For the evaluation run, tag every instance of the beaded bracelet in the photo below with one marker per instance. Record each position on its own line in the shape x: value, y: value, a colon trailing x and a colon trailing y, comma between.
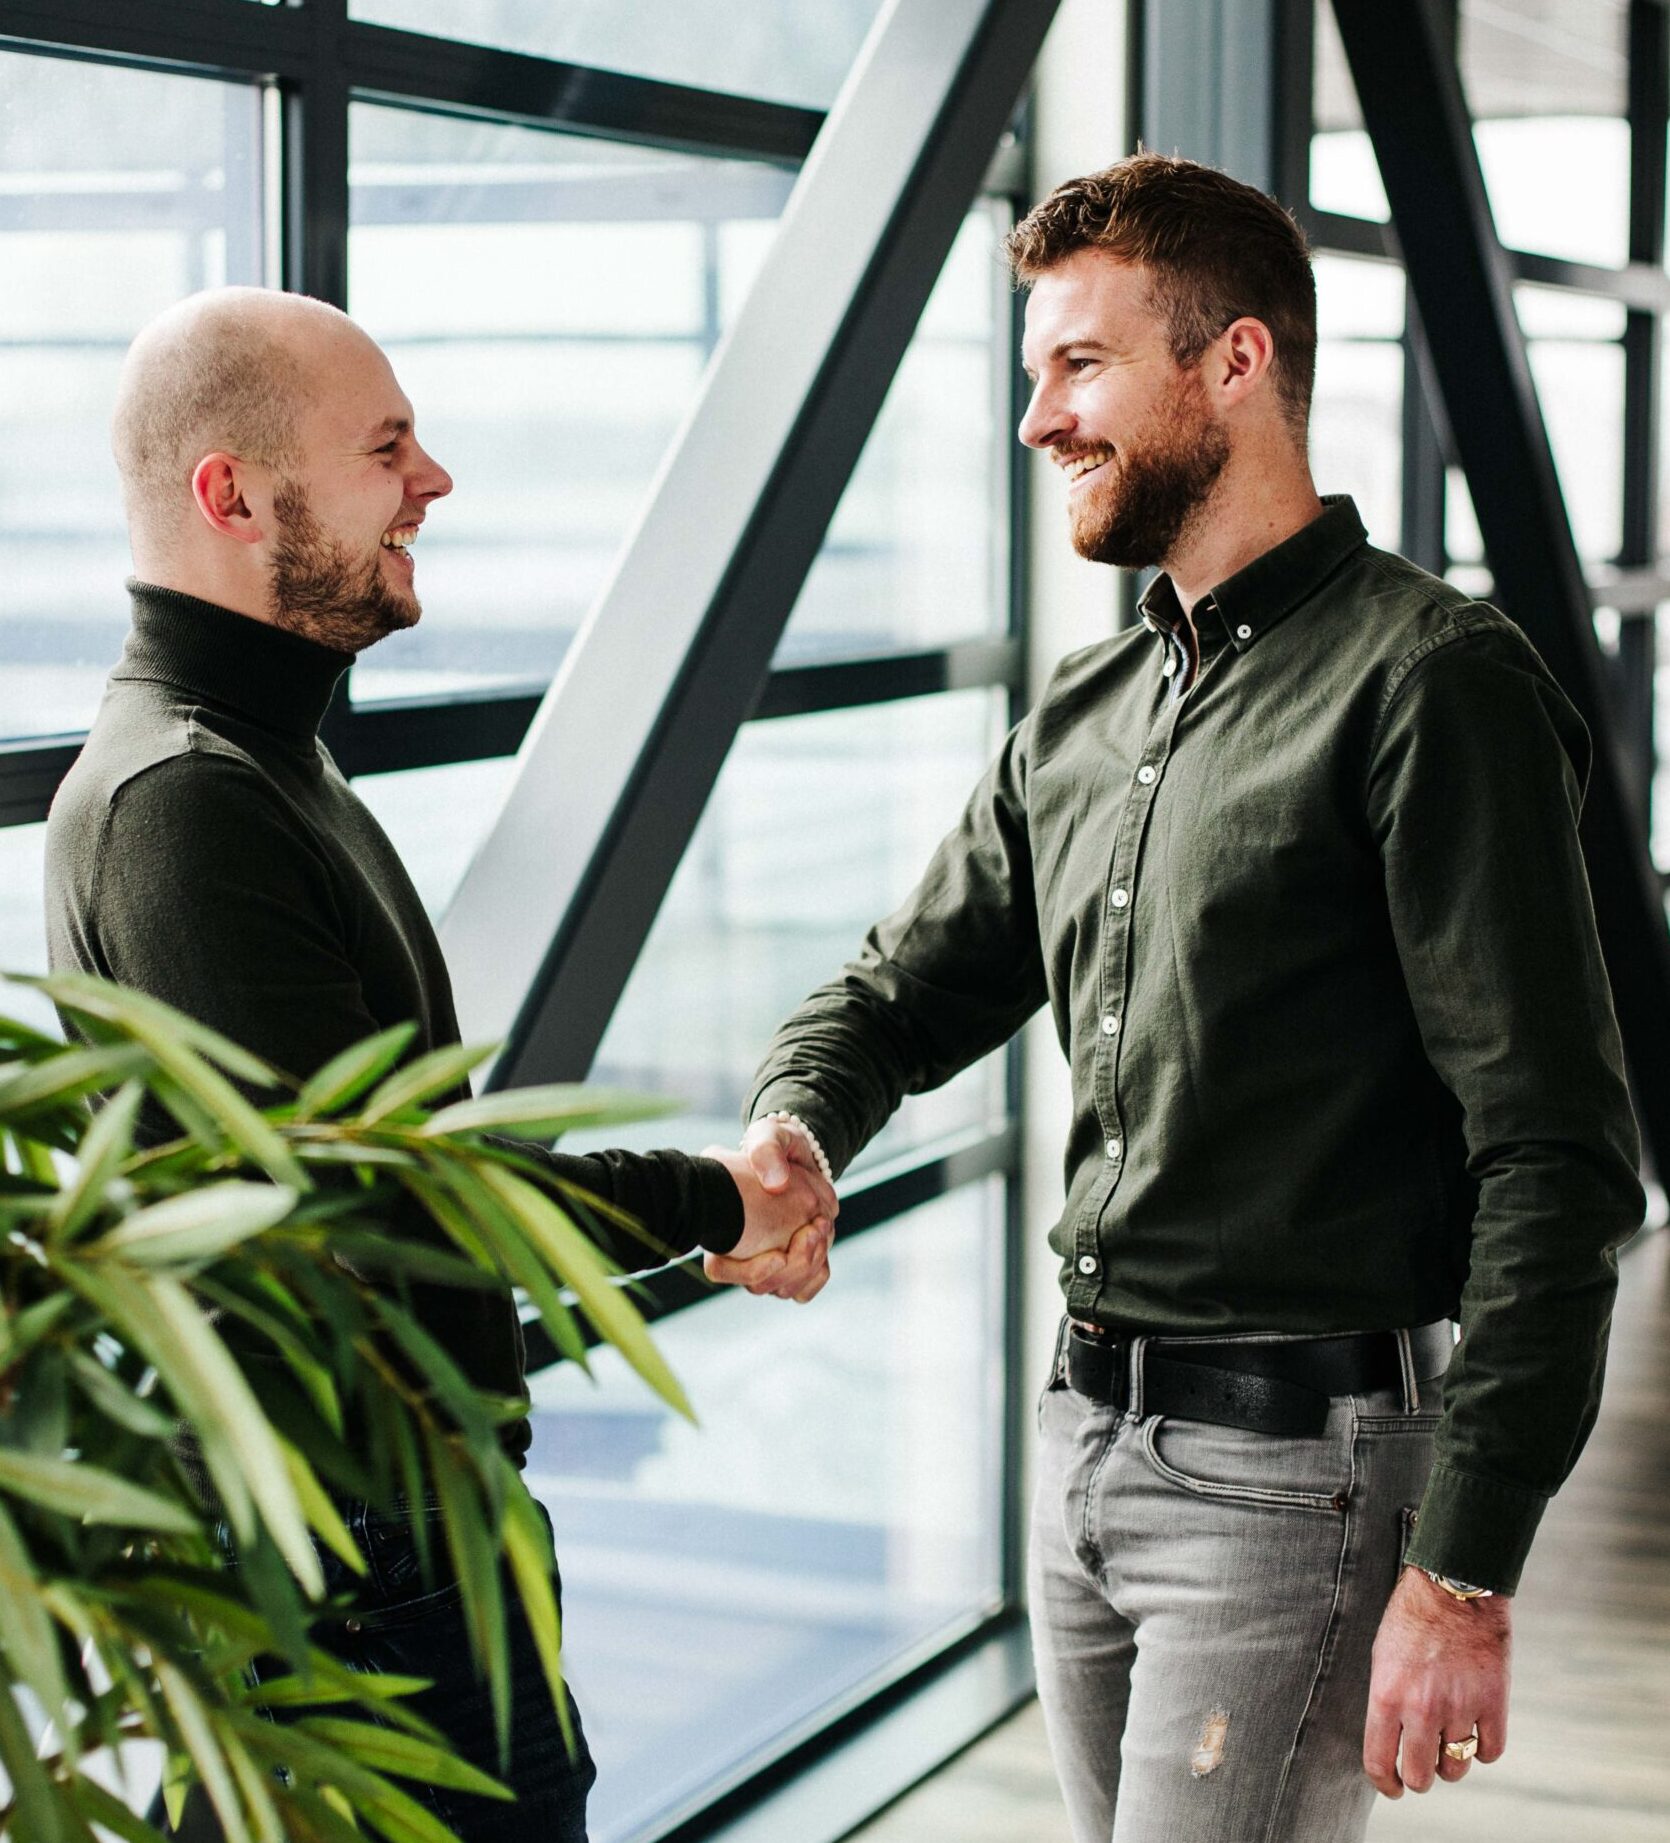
x: 794, y: 1119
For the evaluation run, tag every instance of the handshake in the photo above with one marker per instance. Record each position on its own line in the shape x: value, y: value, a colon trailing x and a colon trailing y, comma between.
x: 789, y: 1212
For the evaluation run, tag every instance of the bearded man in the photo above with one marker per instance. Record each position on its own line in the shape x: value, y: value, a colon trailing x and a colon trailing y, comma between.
x: 1295, y: 866
x: 205, y: 849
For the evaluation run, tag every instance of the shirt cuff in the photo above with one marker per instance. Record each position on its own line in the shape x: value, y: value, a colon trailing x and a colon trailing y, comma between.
x: 721, y: 1212
x: 807, y: 1105
x: 1475, y: 1529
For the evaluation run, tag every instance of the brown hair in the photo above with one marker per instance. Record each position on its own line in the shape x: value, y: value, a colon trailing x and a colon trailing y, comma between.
x: 1215, y: 249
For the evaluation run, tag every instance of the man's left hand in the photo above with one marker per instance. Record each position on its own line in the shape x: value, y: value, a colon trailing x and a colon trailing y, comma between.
x: 1440, y: 1672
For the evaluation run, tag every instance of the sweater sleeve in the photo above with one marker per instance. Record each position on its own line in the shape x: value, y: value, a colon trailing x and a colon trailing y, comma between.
x: 204, y: 890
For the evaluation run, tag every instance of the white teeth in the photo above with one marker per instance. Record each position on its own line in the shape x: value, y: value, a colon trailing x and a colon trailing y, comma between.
x: 397, y: 540
x: 1082, y: 464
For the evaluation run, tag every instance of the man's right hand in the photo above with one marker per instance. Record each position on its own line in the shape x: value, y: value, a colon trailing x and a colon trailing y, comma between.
x: 789, y: 1211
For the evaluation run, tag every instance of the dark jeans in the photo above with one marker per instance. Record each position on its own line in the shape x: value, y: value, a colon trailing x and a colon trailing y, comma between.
x: 404, y: 1627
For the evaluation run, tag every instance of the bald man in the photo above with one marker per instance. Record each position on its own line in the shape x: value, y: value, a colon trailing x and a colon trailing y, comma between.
x: 205, y: 849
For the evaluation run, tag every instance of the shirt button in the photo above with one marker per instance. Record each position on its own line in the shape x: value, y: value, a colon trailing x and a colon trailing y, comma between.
x: 1114, y: 1148
x: 1145, y: 774
x: 1169, y: 667
x: 1120, y: 898
x: 1087, y: 1263
x: 1243, y: 632
x: 1109, y: 1025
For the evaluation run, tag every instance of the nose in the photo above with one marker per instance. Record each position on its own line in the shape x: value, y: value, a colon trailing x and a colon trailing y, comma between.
x: 1047, y: 418
x: 426, y: 479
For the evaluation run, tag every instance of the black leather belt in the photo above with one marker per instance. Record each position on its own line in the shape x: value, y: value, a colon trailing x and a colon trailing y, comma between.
x: 1280, y: 1388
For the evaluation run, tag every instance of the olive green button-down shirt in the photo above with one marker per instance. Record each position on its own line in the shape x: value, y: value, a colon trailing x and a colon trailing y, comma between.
x: 1313, y: 924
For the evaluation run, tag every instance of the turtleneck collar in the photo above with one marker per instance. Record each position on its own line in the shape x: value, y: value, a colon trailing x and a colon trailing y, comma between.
x: 275, y: 678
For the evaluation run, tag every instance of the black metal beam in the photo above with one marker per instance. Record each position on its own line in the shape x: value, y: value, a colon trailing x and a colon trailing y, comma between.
x: 1417, y: 118
x: 212, y: 37
x: 315, y: 190
x: 474, y: 80
x: 29, y: 775
x: 608, y: 908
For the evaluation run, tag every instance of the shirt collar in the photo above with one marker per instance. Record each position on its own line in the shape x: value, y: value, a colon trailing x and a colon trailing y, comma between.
x: 1255, y: 598
x: 265, y: 673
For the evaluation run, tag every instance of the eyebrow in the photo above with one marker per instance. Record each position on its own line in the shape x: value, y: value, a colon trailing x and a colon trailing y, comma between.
x: 1063, y: 347
x: 391, y: 425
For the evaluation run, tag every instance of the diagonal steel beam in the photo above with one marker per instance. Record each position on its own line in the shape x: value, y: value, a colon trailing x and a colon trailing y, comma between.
x: 1416, y: 115
x: 553, y: 911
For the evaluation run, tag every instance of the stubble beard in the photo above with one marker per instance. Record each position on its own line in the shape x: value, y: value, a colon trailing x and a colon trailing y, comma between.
x: 1162, y: 480
x: 319, y: 590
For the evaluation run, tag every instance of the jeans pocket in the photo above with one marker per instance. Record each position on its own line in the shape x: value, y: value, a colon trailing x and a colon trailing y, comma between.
x: 1232, y: 1465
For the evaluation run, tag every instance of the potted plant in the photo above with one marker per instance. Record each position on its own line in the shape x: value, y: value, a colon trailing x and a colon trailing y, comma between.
x: 140, y: 1276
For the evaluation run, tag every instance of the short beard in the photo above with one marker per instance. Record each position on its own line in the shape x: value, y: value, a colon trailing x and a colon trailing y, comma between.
x: 319, y: 591
x: 1161, y: 481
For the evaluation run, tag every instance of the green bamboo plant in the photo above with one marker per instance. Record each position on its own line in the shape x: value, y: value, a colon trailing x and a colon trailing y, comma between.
x: 237, y: 1277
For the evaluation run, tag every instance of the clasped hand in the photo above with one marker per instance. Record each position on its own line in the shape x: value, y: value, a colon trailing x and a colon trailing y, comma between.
x: 789, y: 1211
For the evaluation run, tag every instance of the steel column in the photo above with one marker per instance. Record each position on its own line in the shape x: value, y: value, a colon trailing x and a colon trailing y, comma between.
x: 1412, y: 103
x: 552, y: 914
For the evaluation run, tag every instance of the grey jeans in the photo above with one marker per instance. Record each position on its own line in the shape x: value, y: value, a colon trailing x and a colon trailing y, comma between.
x: 1204, y: 1603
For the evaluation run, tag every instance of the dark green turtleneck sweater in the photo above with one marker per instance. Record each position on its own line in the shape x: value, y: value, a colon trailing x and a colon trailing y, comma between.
x: 205, y: 849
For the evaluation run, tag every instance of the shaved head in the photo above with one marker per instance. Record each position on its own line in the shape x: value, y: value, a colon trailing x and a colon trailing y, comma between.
x: 231, y: 370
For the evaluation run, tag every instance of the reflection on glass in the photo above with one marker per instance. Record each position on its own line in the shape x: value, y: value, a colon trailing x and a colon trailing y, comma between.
x: 1356, y: 437
x: 1547, y: 88
x: 1581, y: 389
x: 836, y: 1510
x: 819, y: 826
x: 549, y: 304
x: 120, y: 191
x: 23, y: 921
x: 795, y: 54
x: 917, y: 551
x: 436, y: 818
x: 1546, y: 85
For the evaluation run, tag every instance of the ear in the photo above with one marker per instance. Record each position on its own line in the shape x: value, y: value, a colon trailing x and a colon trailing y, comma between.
x: 1240, y: 360
x: 217, y: 490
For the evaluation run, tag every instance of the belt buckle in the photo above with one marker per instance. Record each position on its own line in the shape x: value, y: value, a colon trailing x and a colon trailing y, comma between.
x: 1097, y: 1367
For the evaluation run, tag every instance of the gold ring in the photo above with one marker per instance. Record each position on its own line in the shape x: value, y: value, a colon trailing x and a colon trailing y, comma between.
x: 1462, y: 1750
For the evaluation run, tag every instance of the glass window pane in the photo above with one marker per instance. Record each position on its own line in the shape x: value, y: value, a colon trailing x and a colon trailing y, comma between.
x: 1356, y: 437
x: 917, y: 552
x: 1580, y: 384
x: 436, y: 818
x: 723, y: 1584
x: 795, y: 54
x: 23, y: 921
x: 549, y: 304
x: 819, y: 826
x: 1344, y: 175
x: 1546, y: 83
x: 120, y: 191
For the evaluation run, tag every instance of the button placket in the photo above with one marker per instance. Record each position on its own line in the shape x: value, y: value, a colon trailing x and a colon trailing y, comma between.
x: 1117, y: 922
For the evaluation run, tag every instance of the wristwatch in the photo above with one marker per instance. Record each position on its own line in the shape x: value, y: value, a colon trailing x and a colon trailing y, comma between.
x: 1459, y: 1590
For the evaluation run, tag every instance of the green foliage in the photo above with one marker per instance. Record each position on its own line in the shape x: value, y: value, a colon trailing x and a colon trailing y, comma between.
x: 148, y: 1282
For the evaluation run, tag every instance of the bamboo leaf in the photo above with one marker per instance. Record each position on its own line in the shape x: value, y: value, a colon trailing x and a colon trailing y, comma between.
x: 566, y: 1250
x: 528, y: 1547
x: 320, y: 1512
x: 346, y: 1076
x: 197, y: 1225
x: 105, y: 1809
x: 143, y: 1018
x: 430, y: 1074
x: 543, y: 1113
x: 67, y: 1077
x: 116, y: 1401
x: 108, y: 1142
x: 38, y: 1814
x: 30, y: 1639
x: 404, y: 1755
x: 474, y: 1555
x: 198, y: 1735
x: 398, y: 1815
x: 86, y: 1492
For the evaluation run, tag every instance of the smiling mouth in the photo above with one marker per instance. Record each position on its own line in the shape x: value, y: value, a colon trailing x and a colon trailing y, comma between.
x: 400, y: 539
x: 1078, y: 466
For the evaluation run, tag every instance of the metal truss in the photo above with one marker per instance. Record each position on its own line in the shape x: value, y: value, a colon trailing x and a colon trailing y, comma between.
x: 550, y: 918
x: 1462, y: 283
